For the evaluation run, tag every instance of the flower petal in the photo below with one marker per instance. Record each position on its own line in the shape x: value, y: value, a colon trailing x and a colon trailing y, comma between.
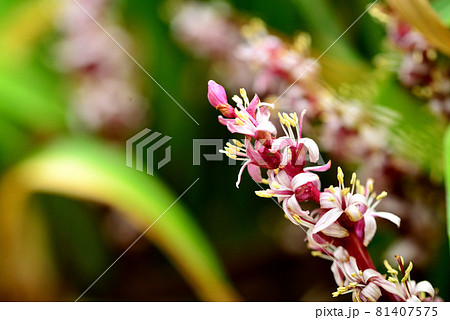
x: 370, y: 228
x: 303, y: 178
x: 313, y: 149
x: 327, y: 219
x: 336, y: 230
x: 255, y: 172
x: 388, y: 216
x: 323, y: 168
x: 424, y: 286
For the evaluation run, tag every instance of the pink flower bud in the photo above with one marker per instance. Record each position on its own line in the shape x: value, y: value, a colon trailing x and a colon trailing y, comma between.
x: 218, y: 99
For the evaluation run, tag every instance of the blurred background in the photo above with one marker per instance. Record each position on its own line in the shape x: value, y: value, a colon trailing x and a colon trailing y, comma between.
x: 378, y: 103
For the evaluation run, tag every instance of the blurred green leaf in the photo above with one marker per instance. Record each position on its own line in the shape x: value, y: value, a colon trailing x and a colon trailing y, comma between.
x: 315, y: 13
x: 28, y: 98
x: 442, y: 7
x: 447, y: 176
x: 90, y: 170
x: 416, y: 134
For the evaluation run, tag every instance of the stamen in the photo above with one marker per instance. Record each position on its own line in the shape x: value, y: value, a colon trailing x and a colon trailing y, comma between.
x: 393, y: 280
x: 239, y: 122
x: 345, y: 191
x: 340, y: 176
x: 276, y: 185
x: 297, y: 218
x: 370, y: 185
x: 353, y: 180
x: 389, y: 268
x: 244, y: 95
x: 316, y: 253
x: 237, y: 100
x: 407, y: 272
x: 263, y: 194
x: 238, y: 143
x: 242, y: 115
x: 265, y: 181
x: 382, y: 195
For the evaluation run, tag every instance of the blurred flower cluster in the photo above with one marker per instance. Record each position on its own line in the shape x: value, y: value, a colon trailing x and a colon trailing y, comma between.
x: 344, y: 223
x: 422, y: 68
x: 106, y: 99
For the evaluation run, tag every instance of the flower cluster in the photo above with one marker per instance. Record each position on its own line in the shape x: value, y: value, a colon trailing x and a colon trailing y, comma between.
x: 342, y: 225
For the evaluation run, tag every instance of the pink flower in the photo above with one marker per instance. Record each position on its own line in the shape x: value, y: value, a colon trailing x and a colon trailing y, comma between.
x: 290, y: 191
x: 250, y: 118
x: 408, y: 289
x: 358, y: 203
x: 364, y: 285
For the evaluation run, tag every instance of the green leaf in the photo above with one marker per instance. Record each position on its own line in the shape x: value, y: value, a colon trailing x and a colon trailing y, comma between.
x: 90, y: 170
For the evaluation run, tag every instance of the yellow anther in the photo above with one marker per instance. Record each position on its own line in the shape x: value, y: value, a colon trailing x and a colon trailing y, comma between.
x: 393, y: 280
x: 360, y: 273
x: 353, y: 178
x: 243, y: 93
x: 422, y: 295
x: 263, y: 194
x: 276, y: 185
x: 370, y: 185
x: 238, y: 143
x: 316, y: 253
x: 239, y: 122
x: 287, y: 120
x: 242, y: 115
x: 345, y: 191
x: 353, y: 275
x: 389, y: 268
x: 362, y: 190
x: 335, y: 294
x: 342, y: 289
x: 353, y: 284
x: 231, y: 156
x: 282, y: 120
x: 295, y: 118
x: 297, y: 218
x: 331, y: 199
x: 382, y: 195
x: 340, y: 175
x: 265, y: 181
